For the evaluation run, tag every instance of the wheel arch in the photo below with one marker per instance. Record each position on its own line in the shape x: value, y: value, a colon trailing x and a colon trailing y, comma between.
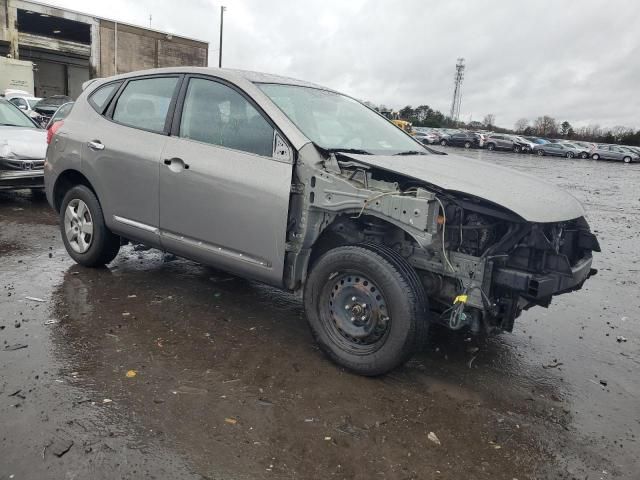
x: 65, y: 182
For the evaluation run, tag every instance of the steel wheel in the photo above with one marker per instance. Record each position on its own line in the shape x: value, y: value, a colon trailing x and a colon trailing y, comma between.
x: 78, y: 225
x: 358, y: 313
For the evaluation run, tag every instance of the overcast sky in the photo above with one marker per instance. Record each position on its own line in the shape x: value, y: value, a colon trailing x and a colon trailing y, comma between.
x: 576, y: 60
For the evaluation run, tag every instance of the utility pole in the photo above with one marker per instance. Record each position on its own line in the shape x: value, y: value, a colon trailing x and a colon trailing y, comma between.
x: 454, y: 113
x: 150, y: 20
x: 222, y: 9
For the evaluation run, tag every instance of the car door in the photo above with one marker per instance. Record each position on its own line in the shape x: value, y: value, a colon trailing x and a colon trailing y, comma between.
x: 123, y: 149
x: 615, y: 153
x: 224, y: 196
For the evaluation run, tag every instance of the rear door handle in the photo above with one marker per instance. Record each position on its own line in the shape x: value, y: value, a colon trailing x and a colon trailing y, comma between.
x: 95, y: 145
x: 179, y: 161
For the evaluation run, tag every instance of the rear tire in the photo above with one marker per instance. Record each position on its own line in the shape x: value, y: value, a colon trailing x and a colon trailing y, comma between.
x: 366, y: 308
x: 541, y: 153
x: 569, y: 154
x: 595, y: 156
x: 467, y: 144
x: 516, y: 149
x: 491, y: 147
x: 443, y: 143
x: 626, y: 159
x: 86, y: 237
x: 584, y: 155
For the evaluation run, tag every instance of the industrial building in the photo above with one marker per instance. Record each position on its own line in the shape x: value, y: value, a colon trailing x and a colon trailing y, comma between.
x: 68, y: 47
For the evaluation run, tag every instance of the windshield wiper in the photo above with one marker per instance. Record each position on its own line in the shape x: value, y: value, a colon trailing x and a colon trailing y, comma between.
x: 357, y: 151
x: 10, y: 125
x: 411, y: 152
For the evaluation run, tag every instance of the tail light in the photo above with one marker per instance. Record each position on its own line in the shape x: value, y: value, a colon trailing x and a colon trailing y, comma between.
x: 53, y: 129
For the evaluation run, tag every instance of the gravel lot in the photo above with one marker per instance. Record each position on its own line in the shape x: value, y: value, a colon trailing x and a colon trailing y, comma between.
x: 161, y: 368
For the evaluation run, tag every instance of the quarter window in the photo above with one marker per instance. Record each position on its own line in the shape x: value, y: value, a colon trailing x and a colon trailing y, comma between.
x: 144, y: 103
x: 216, y: 114
x: 100, y: 96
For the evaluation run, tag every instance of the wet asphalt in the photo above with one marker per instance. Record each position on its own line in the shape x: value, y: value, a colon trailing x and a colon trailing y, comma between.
x: 161, y: 368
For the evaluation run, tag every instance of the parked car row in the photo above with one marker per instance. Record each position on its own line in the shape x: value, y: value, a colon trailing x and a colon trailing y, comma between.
x: 23, y: 144
x: 533, y: 145
x: 39, y: 109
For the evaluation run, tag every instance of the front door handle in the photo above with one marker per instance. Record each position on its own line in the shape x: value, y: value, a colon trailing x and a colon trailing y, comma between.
x: 95, y: 145
x: 178, y: 161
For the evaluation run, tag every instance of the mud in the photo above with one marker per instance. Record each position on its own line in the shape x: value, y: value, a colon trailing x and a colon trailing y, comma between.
x: 228, y: 383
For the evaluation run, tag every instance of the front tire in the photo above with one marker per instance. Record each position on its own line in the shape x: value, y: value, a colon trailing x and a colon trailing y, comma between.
x: 443, y: 143
x: 86, y: 237
x: 584, y: 155
x: 626, y: 159
x: 541, y: 153
x: 467, y: 144
x: 366, y: 308
x: 569, y: 154
x: 595, y: 156
x: 516, y: 149
x: 491, y: 147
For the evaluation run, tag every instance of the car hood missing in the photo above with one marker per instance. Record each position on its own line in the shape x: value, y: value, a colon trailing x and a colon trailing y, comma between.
x: 18, y: 143
x: 529, y: 197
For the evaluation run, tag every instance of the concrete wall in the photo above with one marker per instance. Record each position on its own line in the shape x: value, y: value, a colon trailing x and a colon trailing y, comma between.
x: 140, y: 48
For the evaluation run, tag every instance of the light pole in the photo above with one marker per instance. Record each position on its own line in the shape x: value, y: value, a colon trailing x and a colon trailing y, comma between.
x: 222, y: 9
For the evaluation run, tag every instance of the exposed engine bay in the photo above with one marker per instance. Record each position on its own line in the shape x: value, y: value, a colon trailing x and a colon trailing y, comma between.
x: 480, y: 264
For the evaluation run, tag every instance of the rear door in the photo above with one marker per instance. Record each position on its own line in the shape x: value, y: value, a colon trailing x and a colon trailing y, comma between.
x: 123, y: 149
x: 224, y: 198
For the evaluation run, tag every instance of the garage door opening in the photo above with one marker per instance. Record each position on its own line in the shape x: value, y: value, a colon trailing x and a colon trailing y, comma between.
x: 54, y: 27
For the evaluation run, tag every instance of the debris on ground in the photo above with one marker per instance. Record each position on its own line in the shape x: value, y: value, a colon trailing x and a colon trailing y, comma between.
x: 434, y: 438
x: 231, y: 421
x: 620, y: 339
x: 603, y: 383
x: 554, y: 364
x: 131, y: 373
x: 51, y: 322
x: 35, y: 299
x: 107, y: 400
x: 60, y: 446
x: 15, y: 346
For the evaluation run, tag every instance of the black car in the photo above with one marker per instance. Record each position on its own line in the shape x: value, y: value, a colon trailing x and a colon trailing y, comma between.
x: 462, y: 139
x: 48, y: 106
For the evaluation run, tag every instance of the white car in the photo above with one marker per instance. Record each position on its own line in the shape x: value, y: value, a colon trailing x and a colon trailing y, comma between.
x: 24, y: 101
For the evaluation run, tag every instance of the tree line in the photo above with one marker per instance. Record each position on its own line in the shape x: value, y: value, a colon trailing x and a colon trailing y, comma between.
x: 543, y: 126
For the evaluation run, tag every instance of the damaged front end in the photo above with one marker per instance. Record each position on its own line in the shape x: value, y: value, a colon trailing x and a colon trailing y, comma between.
x: 481, y: 263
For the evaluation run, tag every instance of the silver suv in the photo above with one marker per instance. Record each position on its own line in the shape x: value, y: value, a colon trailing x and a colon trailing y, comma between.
x: 307, y: 189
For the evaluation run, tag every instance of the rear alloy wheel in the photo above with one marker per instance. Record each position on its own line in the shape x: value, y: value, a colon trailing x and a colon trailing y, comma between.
x: 541, y: 153
x: 491, y: 147
x: 84, y: 233
x: 467, y: 144
x: 516, y: 149
x: 595, y: 156
x: 570, y: 155
x: 626, y: 159
x: 366, y: 308
x: 584, y: 155
x: 443, y: 143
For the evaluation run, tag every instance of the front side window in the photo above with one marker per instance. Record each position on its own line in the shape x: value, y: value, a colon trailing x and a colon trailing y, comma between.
x: 336, y: 122
x: 217, y: 114
x: 144, y: 103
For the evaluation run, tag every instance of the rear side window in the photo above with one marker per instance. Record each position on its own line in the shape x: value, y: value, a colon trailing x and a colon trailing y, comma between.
x: 99, y: 98
x: 216, y: 114
x: 144, y: 103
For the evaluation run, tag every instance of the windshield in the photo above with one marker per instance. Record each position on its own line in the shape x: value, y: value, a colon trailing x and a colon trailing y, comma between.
x: 32, y: 102
x: 11, y: 116
x: 336, y: 122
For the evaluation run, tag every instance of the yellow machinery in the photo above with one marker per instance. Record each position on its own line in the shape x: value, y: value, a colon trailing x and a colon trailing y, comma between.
x: 404, y: 125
